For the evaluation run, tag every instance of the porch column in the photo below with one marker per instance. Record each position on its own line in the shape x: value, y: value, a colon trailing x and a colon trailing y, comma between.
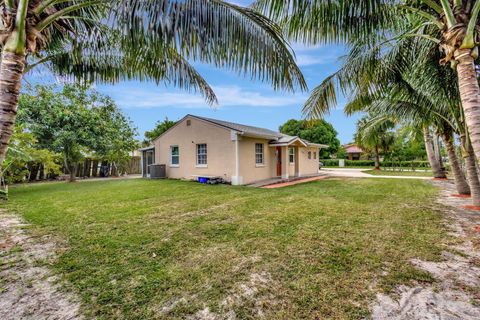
x: 237, y: 179
x: 297, y: 162
x: 285, y: 163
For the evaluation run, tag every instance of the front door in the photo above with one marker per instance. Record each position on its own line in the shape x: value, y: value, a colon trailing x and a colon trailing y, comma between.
x: 279, y: 161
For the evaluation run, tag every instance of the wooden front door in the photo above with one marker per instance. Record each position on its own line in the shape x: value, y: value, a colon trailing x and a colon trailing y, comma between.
x: 279, y: 161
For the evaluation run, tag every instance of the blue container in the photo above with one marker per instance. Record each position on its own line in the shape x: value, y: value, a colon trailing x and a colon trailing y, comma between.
x: 202, y: 180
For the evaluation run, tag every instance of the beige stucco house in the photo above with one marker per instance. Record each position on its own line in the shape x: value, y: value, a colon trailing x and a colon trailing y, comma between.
x: 203, y: 147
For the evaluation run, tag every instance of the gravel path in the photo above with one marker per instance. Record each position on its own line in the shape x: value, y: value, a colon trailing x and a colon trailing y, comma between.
x: 456, y: 294
x: 28, y: 290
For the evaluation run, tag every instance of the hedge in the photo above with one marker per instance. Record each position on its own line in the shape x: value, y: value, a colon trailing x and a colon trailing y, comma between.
x: 371, y: 163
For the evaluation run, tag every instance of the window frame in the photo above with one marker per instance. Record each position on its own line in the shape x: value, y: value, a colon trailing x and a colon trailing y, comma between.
x: 197, y: 155
x: 174, y: 165
x: 261, y: 154
x: 291, y: 155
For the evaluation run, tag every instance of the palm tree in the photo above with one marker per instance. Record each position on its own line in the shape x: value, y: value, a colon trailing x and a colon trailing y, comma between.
x: 108, y: 41
x: 374, y: 134
x: 449, y: 25
x: 414, y: 97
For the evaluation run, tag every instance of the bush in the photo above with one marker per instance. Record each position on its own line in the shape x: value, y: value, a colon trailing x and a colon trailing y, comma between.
x: 371, y: 163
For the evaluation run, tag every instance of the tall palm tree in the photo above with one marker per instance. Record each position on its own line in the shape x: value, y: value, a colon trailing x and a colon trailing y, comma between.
x: 374, y: 133
x: 450, y: 25
x: 107, y: 41
x: 415, y: 98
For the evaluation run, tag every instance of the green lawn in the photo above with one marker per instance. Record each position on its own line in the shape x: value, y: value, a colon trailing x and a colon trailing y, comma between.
x: 400, y: 173
x: 137, y: 249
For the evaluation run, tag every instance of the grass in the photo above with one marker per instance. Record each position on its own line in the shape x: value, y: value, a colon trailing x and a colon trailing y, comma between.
x: 137, y: 249
x: 400, y: 173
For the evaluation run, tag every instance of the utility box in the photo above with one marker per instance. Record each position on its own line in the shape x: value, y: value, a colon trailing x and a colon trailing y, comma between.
x: 341, y: 163
x: 158, y: 171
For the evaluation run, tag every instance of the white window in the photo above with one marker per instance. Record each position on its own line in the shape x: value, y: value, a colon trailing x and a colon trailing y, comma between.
x: 258, y: 153
x: 202, y: 154
x: 174, y: 155
x: 291, y: 153
x: 309, y: 154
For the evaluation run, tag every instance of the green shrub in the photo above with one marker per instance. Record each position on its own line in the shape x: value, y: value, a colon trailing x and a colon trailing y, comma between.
x: 371, y: 163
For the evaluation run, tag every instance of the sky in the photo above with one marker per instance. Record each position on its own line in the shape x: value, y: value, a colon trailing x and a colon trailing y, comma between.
x: 240, y: 99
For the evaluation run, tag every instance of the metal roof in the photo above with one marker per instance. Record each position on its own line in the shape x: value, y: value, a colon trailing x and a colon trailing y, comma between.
x: 244, y: 129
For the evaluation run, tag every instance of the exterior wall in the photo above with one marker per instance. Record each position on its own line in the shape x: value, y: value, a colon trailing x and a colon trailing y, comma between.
x: 220, y: 150
x: 308, y: 166
x: 221, y: 154
x: 249, y: 170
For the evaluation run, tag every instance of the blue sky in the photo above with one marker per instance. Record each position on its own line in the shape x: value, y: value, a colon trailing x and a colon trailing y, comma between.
x: 240, y: 99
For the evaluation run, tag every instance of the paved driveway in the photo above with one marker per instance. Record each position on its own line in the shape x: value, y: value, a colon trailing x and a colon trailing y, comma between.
x: 358, y: 173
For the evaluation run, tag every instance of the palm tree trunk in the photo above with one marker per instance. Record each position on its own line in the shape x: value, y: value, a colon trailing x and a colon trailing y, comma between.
x: 434, y: 164
x: 472, y: 175
x: 377, y: 159
x: 436, y: 146
x: 11, y: 73
x: 460, y: 182
x: 471, y: 168
x: 470, y: 95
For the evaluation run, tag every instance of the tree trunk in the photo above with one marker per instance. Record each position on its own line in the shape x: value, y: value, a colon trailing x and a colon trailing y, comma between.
x: 377, y: 159
x: 470, y: 95
x: 73, y: 172
x: 471, y: 168
x: 438, y: 150
x: 434, y: 164
x: 460, y: 182
x: 11, y: 73
x: 472, y: 175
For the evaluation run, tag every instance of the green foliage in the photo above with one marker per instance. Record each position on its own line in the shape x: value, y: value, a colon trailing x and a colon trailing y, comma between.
x: 406, y: 147
x: 75, y: 122
x: 341, y: 153
x: 316, y: 131
x: 88, y: 41
x: 23, y: 153
x: 414, y: 164
x: 160, y: 128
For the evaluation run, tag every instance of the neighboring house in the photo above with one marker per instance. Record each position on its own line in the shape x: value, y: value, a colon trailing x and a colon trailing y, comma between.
x: 353, y: 151
x: 240, y: 154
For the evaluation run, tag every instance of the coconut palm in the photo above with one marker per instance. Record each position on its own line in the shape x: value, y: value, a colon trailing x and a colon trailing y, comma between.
x: 424, y: 103
x: 450, y: 25
x: 108, y: 41
x: 374, y: 134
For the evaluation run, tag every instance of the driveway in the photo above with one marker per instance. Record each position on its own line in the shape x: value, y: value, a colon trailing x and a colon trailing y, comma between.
x: 359, y: 173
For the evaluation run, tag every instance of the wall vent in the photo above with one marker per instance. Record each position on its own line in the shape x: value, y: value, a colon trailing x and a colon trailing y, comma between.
x: 189, y: 122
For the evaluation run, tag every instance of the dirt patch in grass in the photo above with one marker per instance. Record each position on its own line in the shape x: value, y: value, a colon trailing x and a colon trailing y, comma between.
x: 27, y: 289
x: 147, y: 249
x: 456, y: 292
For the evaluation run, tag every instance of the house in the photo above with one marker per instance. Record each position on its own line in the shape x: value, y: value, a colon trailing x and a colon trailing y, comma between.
x: 240, y: 154
x: 353, y: 151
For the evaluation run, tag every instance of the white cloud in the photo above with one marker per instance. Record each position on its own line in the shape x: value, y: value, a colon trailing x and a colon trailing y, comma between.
x: 228, y: 96
x: 308, y: 60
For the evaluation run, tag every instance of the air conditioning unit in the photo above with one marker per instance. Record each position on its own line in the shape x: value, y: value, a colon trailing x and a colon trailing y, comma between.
x: 158, y: 171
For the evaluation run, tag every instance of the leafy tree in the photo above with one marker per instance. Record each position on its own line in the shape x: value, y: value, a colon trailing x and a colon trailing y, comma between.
x: 316, y: 131
x: 160, y: 128
x: 75, y: 122
x: 24, y: 153
x: 109, y: 41
x: 407, y: 145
